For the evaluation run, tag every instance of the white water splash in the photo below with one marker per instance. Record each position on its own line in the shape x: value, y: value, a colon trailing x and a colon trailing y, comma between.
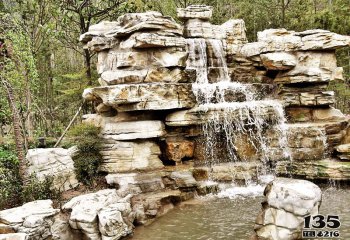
x: 252, y: 189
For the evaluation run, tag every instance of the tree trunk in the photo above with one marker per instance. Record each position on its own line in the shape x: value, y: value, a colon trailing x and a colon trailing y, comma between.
x: 88, y: 65
x: 283, y: 13
x: 16, y: 129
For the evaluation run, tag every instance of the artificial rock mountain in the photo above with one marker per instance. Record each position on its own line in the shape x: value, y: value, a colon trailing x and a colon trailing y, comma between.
x: 200, y: 97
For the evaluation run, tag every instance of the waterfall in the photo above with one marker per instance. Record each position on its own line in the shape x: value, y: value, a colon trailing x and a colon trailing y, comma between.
x: 197, y: 59
x: 234, y: 115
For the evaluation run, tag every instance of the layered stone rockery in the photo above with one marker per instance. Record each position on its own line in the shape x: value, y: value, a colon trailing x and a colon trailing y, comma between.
x: 142, y: 62
x: 147, y: 105
x: 302, y: 64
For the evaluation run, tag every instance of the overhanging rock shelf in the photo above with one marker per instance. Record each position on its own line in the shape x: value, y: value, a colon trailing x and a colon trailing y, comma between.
x: 171, y: 93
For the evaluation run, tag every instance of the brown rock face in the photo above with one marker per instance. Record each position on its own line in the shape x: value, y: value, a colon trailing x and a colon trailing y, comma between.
x: 177, y: 150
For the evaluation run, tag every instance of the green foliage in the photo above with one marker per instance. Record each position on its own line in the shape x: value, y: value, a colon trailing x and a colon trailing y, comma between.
x: 36, y: 189
x: 86, y: 162
x: 12, y: 192
x: 342, y: 94
x: 9, y: 179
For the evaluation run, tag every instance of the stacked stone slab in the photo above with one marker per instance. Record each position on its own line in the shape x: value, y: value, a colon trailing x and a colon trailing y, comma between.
x: 302, y: 64
x: 141, y: 62
x: 146, y: 108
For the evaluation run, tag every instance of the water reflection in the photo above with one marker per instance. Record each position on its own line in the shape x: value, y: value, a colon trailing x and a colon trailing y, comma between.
x: 225, y: 218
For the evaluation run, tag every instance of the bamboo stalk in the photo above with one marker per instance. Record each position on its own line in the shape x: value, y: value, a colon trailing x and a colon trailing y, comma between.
x: 70, y: 124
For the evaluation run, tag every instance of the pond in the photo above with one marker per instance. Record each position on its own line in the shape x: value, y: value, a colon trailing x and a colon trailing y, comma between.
x: 231, y: 215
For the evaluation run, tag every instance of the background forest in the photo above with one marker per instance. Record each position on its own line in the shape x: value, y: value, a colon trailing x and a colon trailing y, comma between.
x: 44, y: 69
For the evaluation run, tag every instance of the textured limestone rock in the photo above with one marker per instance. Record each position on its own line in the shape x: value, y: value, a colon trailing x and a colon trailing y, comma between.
x: 312, y: 66
x: 101, y: 213
x: 324, y: 169
x: 343, y: 151
x: 172, y: 57
x: 33, y: 219
x: 324, y: 98
x: 278, y: 60
x: 287, y: 202
x: 6, y: 229
x: 132, y: 130
x: 99, y: 44
x: 208, y: 187
x: 235, y: 35
x: 183, y: 179
x: 271, y: 40
x: 122, y: 59
x: 196, y: 28
x: 134, y: 22
x: 98, y: 30
x: 148, y: 206
x: 195, y: 11
x: 227, y: 172
x: 115, y: 129
x: 143, y: 96
x: 53, y: 162
x: 14, y: 236
x: 304, y: 141
x: 116, y: 220
x: 130, y: 23
x: 300, y: 114
x: 175, y: 75
x: 60, y: 229
x: 153, y: 40
x: 201, y: 114
x: 177, y: 149
x: 161, y: 74
x: 136, y: 183
x: 123, y: 76
x: 123, y: 156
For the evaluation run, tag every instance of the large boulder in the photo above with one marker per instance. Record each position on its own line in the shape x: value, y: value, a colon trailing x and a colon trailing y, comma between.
x: 314, y: 67
x: 53, y: 162
x: 33, y: 219
x: 287, y: 202
x: 101, y: 215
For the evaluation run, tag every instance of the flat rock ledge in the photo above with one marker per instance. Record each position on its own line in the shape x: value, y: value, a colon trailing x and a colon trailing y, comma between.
x: 287, y: 202
x: 154, y: 96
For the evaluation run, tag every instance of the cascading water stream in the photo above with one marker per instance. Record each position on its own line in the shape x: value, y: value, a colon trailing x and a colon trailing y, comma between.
x: 233, y: 114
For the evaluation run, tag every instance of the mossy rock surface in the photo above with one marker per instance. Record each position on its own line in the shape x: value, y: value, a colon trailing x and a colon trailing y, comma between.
x: 325, y: 169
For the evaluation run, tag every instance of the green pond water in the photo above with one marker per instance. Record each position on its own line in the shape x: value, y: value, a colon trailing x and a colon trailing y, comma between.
x: 231, y: 216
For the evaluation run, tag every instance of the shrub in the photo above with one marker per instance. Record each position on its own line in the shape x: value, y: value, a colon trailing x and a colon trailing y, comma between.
x: 36, y: 189
x: 87, y: 161
x: 10, y: 183
x: 12, y: 192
